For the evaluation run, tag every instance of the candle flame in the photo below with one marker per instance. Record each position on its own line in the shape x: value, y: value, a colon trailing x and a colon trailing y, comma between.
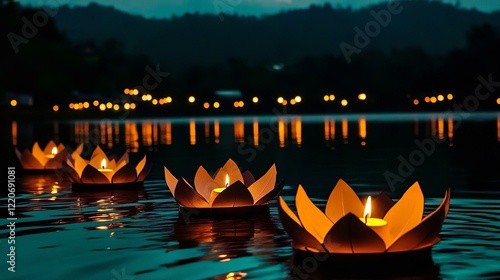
x: 54, y: 150
x: 227, y: 180
x: 103, y: 163
x: 368, y: 209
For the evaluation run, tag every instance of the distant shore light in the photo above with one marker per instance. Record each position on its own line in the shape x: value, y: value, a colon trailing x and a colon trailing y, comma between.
x: 280, y: 100
x: 298, y: 99
x: 255, y: 99
x: 427, y: 99
x: 206, y: 105
x: 433, y: 99
x: 440, y: 97
x: 449, y: 96
x: 216, y: 105
x: 362, y: 96
x: 344, y: 102
x: 102, y: 107
x: 13, y: 103
x: 55, y: 108
x: 96, y: 103
x: 155, y: 101
x: 332, y: 97
x: 292, y: 102
x: 326, y: 98
x: 169, y: 99
x: 86, y: 105
x: 415, y: 101
x: 191, y: 99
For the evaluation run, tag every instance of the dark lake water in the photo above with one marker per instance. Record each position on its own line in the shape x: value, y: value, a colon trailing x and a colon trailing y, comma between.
x: 61, y: 234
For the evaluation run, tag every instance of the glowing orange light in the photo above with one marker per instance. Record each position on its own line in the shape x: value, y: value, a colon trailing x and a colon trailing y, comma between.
x: 332, y: 97
x: 102, y: 107
x: 216, y: 105
x: 433, y: 99
x: 344, y: 102
x: 206, y: 105
x: 427, y: 99
x: 415, y: 101
x: 449, y: 96
x: 55, y: 108
x: 96, y: 103
x: 362, y: 96
x: 241, y: 104
x: 13, y: 103
x: 440, y: 97
x: 326, y: 98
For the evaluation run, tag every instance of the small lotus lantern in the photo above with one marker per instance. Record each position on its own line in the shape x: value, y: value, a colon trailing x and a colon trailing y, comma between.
x: 102, y: 172
x: 228, y: 191
x: 347, y: 227
x: 50, y: 158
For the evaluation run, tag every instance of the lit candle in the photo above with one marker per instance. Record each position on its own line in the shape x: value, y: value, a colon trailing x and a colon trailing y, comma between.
x: 52, y: 154
x: 103, y: 168
x: 376, y: 224
x: 215, y: 192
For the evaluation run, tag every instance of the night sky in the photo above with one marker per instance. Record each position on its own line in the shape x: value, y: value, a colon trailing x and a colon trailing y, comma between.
x: 167, y: 8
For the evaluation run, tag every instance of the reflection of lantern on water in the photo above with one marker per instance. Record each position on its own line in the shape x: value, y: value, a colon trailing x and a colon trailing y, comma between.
x: 440, y: 126
x: 111, y: 205
x: 217, y: 131
x: 166, y: 133
x: 226, y: 239
x: 282, y: 131
x: 450, y: 130
x: 362, y: 130
x: 345, y: 130
x: 498, y: 128
x: 297, y: 130
x: 192, y: 132
x: 207, y: 131
x: 329, y: 127
x: 239, y: 131
x: 255, y: 132
x: 14, y: 133
x: 131, y: 136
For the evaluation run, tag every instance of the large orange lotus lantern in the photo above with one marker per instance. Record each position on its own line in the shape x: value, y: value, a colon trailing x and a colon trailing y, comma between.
x: 349, y: 227
x: 101, y: 172
x: 50, y: 158
x: 227, y: 191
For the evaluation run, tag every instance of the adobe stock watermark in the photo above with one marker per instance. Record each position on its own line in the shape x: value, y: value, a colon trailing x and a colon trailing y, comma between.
x: 372, y: 29
x: 266, y: 136
x: 225, y: 7
x: 427, y: 147
x: 31, y: 26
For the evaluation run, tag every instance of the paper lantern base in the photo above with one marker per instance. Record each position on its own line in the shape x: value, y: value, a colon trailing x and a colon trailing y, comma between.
x: 226, y: 212
x: 85, y: 187
x: 415, y: 262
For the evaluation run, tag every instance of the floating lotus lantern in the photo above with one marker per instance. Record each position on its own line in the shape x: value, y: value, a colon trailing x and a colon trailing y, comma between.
x: 50, y: 158
x: 378, y: 228
x: 101, y: 172
x: 228, y: 191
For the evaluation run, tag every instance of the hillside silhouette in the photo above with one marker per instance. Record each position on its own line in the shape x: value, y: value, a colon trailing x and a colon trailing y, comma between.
x: 200, y: 39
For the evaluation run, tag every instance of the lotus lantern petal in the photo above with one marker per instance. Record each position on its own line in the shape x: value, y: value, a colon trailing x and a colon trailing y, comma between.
x: 50, y: 158
x: 339, y: 228
x: 101, y: 169
x: 242, y: 189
